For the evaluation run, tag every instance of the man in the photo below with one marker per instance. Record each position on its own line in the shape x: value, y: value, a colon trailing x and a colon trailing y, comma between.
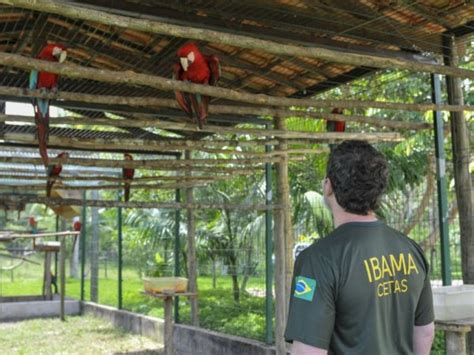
x: 363, y: 289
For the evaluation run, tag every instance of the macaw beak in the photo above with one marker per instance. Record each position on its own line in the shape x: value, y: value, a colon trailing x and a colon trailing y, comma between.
x: 184, y: 63
x: 62, y: 56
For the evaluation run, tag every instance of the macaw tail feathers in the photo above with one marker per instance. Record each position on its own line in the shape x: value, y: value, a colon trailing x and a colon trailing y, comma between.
x: 127, y: 192
x: 200, y: 106
x: 42, y: 129
x: 49, y: 187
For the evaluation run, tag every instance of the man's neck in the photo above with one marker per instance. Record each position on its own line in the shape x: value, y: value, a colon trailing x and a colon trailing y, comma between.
x: 341, y: 217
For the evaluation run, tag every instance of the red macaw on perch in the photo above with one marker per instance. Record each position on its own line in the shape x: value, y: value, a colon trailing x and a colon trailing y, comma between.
x: 47, y: 82
x: 76, y: 224
x: 336, y: 126
x: 196, y: 68
x: 53, y: 173
x: 128, y: 174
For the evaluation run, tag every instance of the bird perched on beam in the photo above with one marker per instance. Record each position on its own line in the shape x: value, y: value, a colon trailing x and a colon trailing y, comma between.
x: 53, y: 173
x: 336, y: 126
x: 128, y: 174
x: 196, y: 68
x: 46, y: 82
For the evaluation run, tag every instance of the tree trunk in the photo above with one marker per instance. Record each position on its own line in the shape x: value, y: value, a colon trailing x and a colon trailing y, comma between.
x: 214, y: 275
x: 248, y: 269
x: 95, y: 251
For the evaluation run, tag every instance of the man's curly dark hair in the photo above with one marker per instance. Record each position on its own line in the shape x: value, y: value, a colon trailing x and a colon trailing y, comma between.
x: 359, y: 176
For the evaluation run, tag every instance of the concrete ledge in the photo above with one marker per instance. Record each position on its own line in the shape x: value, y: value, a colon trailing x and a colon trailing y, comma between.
x: 28, y: 307
x: 187, y: 339
x: 199, y: 341
x: 129, y: 321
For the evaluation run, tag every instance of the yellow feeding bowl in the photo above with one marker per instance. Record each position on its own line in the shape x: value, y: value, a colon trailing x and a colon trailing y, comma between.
x: 161, y: 284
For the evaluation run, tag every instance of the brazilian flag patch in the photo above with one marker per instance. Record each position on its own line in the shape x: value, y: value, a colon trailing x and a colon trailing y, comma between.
x: 304, y: 288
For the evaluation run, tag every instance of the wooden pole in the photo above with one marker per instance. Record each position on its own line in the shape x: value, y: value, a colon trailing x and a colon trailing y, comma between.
x: 177, y: 178
x: 461, y: 161
x: 283, y: 242
x: 153, y: 26
x: 62, y: 266
x: 137, y: 144
x: 164, y: 165
x: 192, y: 262
x: 133, y: 78
x: 188, y: 127
x: 41, y: 187
x: 140, y: 101
x: 130, y: 204
x: 152, y: 145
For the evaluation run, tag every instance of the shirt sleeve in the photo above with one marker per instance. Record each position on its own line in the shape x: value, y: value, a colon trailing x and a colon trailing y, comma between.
x: 312, y: 311
x: 424, y: 313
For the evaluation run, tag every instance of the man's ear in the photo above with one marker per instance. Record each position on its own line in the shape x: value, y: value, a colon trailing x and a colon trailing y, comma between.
x: 329, y: 187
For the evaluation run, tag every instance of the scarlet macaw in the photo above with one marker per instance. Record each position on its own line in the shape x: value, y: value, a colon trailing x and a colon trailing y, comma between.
x: 197, y: 68
x: 47, y: 82
x: 53, y: 173
x: 127, y: 174
x: 33, y: 224
x: 336, y: 126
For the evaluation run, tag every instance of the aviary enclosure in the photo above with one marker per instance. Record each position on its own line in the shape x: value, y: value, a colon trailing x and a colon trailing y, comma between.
x: 225, y: 201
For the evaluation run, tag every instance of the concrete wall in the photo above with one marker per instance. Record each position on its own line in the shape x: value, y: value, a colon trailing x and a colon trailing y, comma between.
x: 27, y: 307
x: 131, y: 322
x: 187, y: 339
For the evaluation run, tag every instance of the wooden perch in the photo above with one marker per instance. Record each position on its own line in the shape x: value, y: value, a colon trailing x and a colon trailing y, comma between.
x: 210, y: 165
x: 140, y: 101
x: 177, y: 178
x: 132, y: 78
x: 153, y: 26
x: 132, y: 204
x: 256, y: 132
x: 38, y: 187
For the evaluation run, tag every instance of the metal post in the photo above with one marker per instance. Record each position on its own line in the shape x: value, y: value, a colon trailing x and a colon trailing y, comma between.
x: 62, y: 251
x: 120, y: 255
x: 441, y: 182
x: 177, y: 249
x: 268, y: 253
x: 83, y: 243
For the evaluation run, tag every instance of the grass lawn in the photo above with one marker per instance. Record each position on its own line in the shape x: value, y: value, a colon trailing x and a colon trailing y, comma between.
x: 78, y: 335
x: 217, y: 309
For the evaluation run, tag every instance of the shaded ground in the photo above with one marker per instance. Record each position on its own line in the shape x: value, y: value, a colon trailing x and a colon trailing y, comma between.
x: 78, y: 335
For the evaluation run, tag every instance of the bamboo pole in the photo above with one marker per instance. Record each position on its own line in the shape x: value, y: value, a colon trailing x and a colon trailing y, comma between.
x: 41, y: 187
x: 205, y: 146
x: 39, y: 235
x: 140, y: 101
x: 189, y: 127
x: 137, y: 144
x: 153, y: 26
x: 54, y: 201
x: 192, y: 261
x: 170, y: 165
x: 132, y: 78
x: 116, y: 179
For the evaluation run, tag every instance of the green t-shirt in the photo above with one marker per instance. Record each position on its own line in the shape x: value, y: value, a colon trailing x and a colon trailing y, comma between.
x: 360, y: 290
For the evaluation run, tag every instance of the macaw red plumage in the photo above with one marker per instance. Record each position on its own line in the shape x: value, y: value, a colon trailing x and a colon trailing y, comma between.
x: 33, y: 224
x: 336, y: 126
x: 197, y: 68
x: 128, y: 174
x: 53, y: 173
x: 47, y: 82
x: 76, y: 224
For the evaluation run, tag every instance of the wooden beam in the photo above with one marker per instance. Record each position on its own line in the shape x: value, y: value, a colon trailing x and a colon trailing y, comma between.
x: 131, y: 204
x: 354, y: 59
x: 136, y: 180
x: 210, y: 165
x: 42, y: 187
x: 134, y: 144
x: 240, y: 110
x: 191, y: 127
x: 132, y: 78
